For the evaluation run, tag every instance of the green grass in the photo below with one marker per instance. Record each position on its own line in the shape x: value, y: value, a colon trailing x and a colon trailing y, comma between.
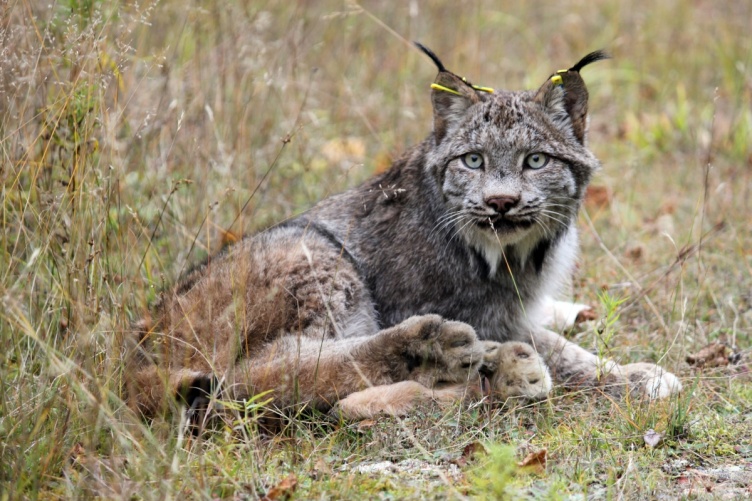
x: 137, y: 138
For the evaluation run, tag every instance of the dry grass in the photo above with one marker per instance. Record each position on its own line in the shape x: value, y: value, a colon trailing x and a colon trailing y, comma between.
x: 137, y: 138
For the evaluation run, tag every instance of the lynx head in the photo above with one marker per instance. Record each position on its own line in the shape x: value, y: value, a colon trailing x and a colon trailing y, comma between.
x: 512, y: 166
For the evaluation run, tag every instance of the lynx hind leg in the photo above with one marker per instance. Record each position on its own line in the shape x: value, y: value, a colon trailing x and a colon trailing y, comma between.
x: 396, y: 399
x: 516, y: 370
x: 650, y: 381
x: 151, y: 392
x: 434, y: 350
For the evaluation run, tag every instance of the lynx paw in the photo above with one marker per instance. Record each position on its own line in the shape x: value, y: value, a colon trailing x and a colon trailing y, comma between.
x: 515, y: 370
x: 650, y: 381
x: 438, y: 351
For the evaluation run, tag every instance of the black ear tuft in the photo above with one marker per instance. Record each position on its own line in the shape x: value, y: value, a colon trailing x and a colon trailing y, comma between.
x: 430, y: 54
x: 451, y: 96
x: 598, y: 55
x: 564, y: 96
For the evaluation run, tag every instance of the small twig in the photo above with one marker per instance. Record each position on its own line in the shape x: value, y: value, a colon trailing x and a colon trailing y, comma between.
x: 706, y: 176
x: 285, y: 141
x: 626, y: 272
x: 685, y: 253
x: 159, y: 220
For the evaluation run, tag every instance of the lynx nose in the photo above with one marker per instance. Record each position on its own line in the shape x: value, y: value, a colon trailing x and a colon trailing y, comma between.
x: 502, y: 205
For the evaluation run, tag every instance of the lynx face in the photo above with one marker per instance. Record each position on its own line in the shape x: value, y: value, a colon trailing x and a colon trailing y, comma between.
x: 512, y: 166
x: 509, y: 176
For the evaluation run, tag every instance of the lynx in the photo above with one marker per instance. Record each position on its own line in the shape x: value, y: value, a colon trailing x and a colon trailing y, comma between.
x: 430, y: 282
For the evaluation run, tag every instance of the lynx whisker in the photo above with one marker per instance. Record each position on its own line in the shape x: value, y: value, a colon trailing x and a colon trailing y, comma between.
x: 547, y: 231
x: 448, y: 220
x: 555, y: 216
x: 459, y: 230
x: 449, y: 223
x: 569, y: 208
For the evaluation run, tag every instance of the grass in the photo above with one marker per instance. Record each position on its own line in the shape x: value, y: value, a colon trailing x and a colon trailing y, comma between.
x: 137, y: 138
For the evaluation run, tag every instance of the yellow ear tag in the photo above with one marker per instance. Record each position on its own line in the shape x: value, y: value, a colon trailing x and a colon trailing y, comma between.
x: 483, y: 89
x: 445, y: 89
x: 557, y: 80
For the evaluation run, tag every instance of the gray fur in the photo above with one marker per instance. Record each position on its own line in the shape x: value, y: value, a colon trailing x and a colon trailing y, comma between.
x: 323, y: 306
x: 417, y: 257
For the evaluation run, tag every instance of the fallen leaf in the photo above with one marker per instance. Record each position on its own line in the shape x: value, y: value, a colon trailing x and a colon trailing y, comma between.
x: 283, y: 490
x: 598, y: 197
x: 229, y: 237
x: 77, y: 455
x: 586, y: 315
x: 635, y: 252
x: 535, y: 460
x: 712, y: 355
x: 470, y: 452
x: 382, y: 162
x: 473, y: 450
x: 664, y: 224
x: 668, y: 207
x: 321, y: 468
x: 652, y: 438
x: 340, y: 150
x: 366, y: 424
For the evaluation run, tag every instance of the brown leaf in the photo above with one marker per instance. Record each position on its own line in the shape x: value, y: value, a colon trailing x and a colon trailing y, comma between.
x: 635, y: 252
x: 340, y: 150
x: 321, y: 468
x: 229, y: 237
x: 652, y: 438
x: 683, y: 480
x: 470, y: 452
x: 382, y: 162
x: 668, y: 207
x: 283, y: 490
x: 598, y: 197
x: 535, y: 460
x: 366, y: 424
x: 585, y: 316
x: 712, y: 355
x: 77, y: 455
x: 473, y: 450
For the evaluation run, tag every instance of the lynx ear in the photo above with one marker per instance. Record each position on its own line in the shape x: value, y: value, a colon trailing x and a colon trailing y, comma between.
x: 451, y: 96
x: 565, y: 97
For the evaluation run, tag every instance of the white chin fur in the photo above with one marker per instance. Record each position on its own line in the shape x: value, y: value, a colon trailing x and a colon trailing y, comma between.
x: 491, y: 244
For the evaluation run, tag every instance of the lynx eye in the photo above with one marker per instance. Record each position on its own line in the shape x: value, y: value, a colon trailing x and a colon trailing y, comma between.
x: 536, y: 160
x: 473, y: 160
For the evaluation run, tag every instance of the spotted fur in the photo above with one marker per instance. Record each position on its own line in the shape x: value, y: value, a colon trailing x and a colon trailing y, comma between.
x: 401, y: 280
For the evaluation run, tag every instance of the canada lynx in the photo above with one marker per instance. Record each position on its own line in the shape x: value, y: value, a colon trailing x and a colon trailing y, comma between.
x: 426, y: 282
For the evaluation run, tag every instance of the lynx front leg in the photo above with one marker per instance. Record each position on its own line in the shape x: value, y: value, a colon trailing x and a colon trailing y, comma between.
x: 576, y: 367
x: 513, y: 369
x: 426, y: 349
x: 301, y: 370
x: 433, y: 360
